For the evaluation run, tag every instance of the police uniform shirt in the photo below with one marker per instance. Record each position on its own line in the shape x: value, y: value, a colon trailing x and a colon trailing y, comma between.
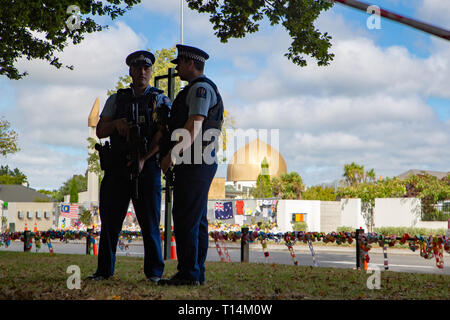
x: 110, y: 107
x: 200, y: 98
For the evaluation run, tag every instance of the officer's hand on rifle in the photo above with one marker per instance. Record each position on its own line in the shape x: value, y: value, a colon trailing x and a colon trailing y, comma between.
x: 121, y: 126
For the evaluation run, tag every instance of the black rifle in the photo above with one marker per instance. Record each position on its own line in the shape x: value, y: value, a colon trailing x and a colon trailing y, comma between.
x: 137, y: 146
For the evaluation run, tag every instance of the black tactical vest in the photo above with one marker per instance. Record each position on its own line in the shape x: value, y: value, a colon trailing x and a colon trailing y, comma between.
x: 145, y: 105
x: 179, y: 113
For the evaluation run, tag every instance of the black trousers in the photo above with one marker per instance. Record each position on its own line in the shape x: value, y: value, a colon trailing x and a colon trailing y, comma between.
x: 115, y: 195
x: 190, y: 207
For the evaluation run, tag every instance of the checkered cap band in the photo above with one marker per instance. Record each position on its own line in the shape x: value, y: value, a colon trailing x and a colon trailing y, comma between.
x: 191, y: 55
x: 142, y: 59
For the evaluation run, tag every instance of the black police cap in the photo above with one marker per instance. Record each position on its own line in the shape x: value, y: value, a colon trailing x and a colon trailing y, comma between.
x: 189, y: 52
x: 141, y: 57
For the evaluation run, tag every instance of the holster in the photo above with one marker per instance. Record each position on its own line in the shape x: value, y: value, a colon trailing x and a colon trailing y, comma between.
x: 106, y: 156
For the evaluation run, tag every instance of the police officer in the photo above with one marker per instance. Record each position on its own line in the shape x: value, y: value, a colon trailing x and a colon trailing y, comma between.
x: 196, y: 109
x: 116, y: 188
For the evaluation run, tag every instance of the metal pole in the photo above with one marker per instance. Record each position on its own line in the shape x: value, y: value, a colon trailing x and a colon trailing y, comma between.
x: 168, y: 222
x: 26, y: 240
x: 88, y: 241
x: 245, y: 246
x: 358, y: 249
x: 171, y: 83
x: 182, y: 21
x: 437, y: 31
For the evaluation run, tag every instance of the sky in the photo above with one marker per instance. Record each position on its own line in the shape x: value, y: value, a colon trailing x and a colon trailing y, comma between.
x: 383, y: 102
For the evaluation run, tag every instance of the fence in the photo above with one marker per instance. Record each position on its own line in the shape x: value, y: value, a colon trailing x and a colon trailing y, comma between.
x: 428, y: 246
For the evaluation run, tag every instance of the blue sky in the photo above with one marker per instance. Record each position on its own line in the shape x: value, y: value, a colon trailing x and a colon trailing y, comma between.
x: 383, y: 102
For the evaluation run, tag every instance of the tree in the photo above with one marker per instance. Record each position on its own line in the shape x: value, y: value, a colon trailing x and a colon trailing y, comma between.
x: 263, y: 187
x: 86, y: 217
x: 38, y: 29
x: 8, y: 137
x: 234, y: 19
x: 430, y: 190
x: 289, y: 186
x: 323, y: 193
x: 8, y: 176
x: 355, y: 174
x: 73, y: 192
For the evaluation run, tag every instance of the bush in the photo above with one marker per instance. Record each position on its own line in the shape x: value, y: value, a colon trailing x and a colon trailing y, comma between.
x: 300, y: 226
x: 399, y: 231
x: 345, y: 229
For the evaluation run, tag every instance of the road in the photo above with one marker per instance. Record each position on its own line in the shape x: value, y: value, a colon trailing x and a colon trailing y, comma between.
x: 335, y: 257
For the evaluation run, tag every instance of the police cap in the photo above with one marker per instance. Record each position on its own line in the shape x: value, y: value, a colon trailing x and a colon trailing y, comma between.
x: 189, y: 52
x: 141, y: 57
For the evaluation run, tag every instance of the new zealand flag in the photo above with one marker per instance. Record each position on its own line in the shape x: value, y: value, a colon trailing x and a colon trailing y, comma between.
x: 223, y: 211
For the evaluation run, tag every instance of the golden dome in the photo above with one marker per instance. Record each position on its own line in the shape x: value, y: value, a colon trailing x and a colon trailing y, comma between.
x: 245, y: 165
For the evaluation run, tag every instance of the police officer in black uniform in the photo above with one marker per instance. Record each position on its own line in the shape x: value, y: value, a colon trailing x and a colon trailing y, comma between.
x: 140, y: 104
x: 197, y: 110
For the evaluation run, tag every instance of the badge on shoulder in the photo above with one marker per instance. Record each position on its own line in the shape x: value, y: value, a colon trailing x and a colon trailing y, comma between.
x: 201, y: 93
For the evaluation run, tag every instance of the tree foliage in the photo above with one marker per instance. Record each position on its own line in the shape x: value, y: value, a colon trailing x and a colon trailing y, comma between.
x: 39, y: 29
x: 8, y: 176
x: 73, y: 192
x: 263, y: 187
x: 289, y: 186
x: 8, y: 137
x: 355, y: 175
x: 323, y: 193
x: 86, y: 217
x: 235, y: 19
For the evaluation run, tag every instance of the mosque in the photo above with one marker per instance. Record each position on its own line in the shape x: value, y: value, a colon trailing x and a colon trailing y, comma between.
x: 243, y: 169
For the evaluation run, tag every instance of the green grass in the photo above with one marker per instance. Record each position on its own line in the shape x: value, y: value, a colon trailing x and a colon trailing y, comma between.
x: 29, y: 275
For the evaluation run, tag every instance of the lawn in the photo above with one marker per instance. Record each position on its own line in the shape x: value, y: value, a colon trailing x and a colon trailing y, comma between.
x: 30, y: 276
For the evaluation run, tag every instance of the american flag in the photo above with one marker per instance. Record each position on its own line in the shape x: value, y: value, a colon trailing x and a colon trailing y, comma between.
x: 69, y: 210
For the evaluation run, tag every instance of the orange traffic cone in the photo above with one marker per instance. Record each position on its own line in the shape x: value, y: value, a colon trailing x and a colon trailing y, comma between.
x: 35, y: 227
x: 26, y: 228
x: 365, y: 265
x: 173, y: 248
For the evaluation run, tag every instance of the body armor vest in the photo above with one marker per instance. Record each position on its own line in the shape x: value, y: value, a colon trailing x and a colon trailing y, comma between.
x: 137, y: 110
x: 179, y: 113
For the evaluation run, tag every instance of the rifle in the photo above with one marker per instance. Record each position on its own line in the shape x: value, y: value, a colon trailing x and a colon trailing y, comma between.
x: 137, y: 146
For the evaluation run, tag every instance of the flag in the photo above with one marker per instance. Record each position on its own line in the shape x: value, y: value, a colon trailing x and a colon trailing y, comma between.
x: 223, y: 211
x: 69, y: 210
